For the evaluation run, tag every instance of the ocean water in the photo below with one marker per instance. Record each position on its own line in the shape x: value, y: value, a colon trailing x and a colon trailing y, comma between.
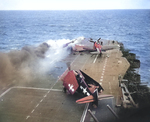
x: 131, y: 27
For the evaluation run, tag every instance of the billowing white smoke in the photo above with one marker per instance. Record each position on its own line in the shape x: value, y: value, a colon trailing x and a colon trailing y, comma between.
x: 31, y: 62
x: 59, y: 50
x: 55, y: 53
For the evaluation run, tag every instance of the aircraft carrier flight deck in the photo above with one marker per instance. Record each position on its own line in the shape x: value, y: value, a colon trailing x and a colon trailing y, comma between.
x: 44, y: 100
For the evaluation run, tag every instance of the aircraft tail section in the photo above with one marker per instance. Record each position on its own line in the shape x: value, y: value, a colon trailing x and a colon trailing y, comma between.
x: 91, y: 98
x: 85, y: 99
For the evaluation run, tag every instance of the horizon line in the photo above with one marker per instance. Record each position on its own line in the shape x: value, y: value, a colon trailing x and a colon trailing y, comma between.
x: 69, y: 9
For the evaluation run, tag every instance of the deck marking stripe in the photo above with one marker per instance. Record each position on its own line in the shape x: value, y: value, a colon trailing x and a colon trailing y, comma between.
x: 41, y: 100
x: 103, y: 71
x: 27, y: 117
x: 32, y: 111
x: 30, y: 88
x: 95, y: 58
x: 37, y: 105
x: 54, y: 90
x: 5, y: 92
x: 33, y: 88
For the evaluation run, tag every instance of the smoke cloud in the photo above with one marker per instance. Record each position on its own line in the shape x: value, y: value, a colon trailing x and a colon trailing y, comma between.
x: 58, y: 51
x: 31, y: 62
x: 21, y: 64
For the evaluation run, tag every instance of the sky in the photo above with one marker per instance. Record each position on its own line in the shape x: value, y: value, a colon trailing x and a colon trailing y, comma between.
x: 73, y: 4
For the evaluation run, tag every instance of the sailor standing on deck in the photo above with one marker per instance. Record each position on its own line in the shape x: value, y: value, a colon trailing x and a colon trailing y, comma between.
x: 96, y: 46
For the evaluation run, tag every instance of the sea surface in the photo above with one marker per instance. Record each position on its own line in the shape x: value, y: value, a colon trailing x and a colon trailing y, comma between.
x: 131, y: 27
